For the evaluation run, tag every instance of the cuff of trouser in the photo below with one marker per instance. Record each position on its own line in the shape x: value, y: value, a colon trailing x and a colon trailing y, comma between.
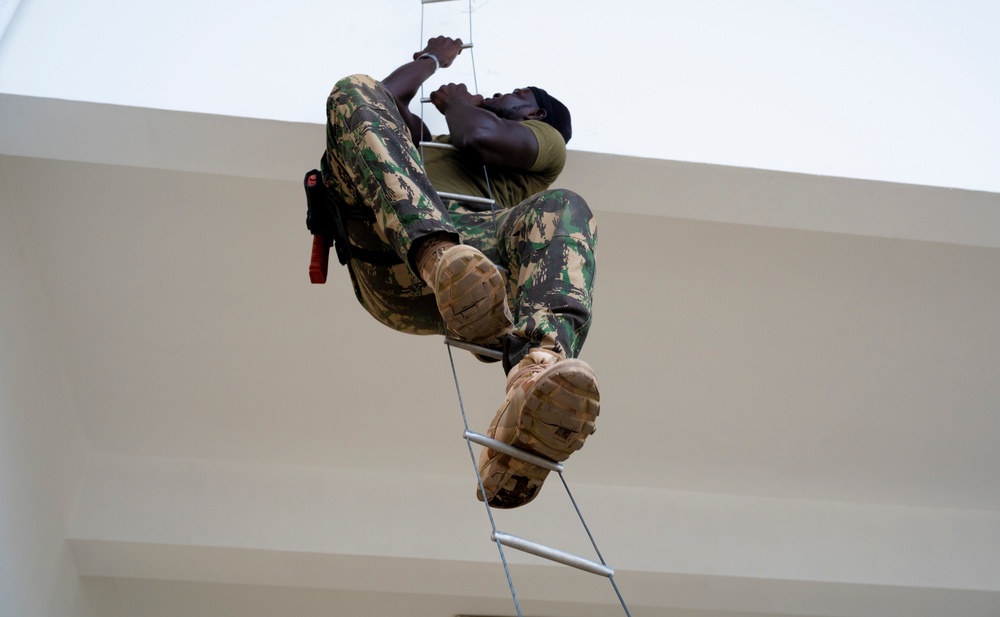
x: 415, y: 233
x: 515, y: 348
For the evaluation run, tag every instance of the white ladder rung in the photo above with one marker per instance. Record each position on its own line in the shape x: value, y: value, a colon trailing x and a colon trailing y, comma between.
x: 462, y: 46
x: 472, y: 199
x: 479, y: 349
x: 517, y: 453
x: 437, y: 144
x: 545, y: 552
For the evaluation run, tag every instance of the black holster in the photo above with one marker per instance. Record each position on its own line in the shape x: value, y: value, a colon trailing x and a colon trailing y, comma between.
x: 326, y: 219
x: 323, y: 216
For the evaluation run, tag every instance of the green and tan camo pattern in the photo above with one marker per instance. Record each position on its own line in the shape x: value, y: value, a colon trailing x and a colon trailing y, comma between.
x: 546, y: 243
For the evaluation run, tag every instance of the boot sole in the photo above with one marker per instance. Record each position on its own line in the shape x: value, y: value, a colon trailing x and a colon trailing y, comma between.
x: 472, y: 297
x: 558, y: 415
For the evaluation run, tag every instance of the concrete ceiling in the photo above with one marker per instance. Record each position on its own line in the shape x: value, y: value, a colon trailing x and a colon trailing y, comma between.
x: 799, y: 384
x: 734, y: 358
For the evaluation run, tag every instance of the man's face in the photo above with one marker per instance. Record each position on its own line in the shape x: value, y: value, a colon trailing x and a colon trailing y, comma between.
x: 514, y: 106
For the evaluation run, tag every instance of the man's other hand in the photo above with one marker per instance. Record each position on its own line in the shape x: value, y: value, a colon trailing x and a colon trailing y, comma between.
x: 443, y: 48
x: 450, y: 94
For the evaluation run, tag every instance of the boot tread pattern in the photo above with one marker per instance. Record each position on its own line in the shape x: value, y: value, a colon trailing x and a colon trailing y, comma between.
x: 559, y: 414
x: 471, y: 296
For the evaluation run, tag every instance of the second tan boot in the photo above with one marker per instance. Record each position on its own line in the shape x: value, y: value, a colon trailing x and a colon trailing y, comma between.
x: 550, y: 409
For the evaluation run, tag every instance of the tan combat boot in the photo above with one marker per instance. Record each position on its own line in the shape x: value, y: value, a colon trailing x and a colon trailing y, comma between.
x: 550, y: 408
x: 470, y: 291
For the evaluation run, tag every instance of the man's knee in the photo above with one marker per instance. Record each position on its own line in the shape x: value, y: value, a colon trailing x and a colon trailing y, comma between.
x: 353, y: 82
x: 567, y: 210
x: 562, y: 201
x: 356, y: 91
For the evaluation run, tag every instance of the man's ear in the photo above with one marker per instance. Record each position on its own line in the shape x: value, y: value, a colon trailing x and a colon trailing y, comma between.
x: 538, y: 114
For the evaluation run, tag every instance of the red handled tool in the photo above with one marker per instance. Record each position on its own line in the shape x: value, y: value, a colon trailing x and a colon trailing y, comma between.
x: 319, y: 264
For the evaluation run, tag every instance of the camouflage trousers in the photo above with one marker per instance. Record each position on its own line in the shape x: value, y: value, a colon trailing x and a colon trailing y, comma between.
x: 546, y: 243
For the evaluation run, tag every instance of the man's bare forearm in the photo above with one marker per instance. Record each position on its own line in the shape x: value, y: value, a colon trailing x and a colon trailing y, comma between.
x: 404, y: 82
x: 495, y: 141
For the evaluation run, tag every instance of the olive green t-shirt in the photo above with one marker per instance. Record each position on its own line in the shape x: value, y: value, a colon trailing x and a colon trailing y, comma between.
x: 452, y: 172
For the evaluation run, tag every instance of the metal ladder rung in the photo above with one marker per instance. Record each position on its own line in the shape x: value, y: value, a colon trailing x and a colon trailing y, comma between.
x: 552, y: 554
x: 437, y: 144
x: 479, y: 349
x: 517, y: 453
x: 472, y: 199
x: 462, y: 46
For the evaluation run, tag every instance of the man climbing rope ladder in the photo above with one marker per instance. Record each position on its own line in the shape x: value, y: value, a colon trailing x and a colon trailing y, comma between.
x: 417, y: 260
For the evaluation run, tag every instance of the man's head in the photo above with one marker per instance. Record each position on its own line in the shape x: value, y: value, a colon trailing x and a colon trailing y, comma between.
x: 532, y: 103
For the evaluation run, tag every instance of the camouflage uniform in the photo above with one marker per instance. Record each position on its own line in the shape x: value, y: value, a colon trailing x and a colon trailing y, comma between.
x: 546, y: 242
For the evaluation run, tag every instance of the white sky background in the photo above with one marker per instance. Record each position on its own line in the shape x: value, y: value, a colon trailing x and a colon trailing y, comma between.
x: 906, y: 91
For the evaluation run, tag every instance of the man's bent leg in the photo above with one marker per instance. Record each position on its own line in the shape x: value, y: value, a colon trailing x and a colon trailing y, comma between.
x: 371, y: 161
x: 552, y: 402
x: 470, y: 291
x: 548, y: 243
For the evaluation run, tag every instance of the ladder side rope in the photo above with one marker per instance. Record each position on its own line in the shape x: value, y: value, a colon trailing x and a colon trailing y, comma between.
x: 472, y: 53
x: 475, y: 87
x: 482, y: 489
x: 611, y: 575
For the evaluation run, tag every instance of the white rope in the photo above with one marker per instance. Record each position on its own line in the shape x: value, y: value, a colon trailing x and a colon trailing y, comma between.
x: 475, y: 88
x: 482, y: 490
